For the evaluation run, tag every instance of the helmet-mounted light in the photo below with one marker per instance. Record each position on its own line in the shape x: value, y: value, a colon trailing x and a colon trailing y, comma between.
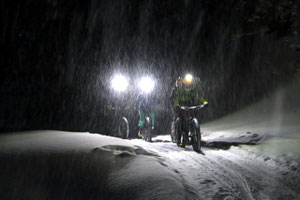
x: 188, y: 79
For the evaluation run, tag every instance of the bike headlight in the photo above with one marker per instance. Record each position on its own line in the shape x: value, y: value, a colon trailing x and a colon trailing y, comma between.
x: 146, y: 84
x: 119, y: 83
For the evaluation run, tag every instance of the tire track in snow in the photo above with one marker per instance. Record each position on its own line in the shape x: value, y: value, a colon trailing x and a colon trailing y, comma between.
x: 181, y: 158
x: 197, y: 170
x: 234, y: 173
x: 225, y: 176
x: 257, y: 172
x: 188, y: 171
x: 222, y: 174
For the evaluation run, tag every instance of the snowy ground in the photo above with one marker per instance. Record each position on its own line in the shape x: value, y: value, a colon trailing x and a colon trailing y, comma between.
x: 275, y: 118
x: 65, y: 165
x: 251, y: 154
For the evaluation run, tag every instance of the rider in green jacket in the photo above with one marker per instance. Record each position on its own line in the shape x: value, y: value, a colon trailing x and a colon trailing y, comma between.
x: 186, y: 93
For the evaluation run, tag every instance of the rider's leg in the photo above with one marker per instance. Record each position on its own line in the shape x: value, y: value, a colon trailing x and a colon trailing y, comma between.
x: 141, y: 122
x: 142, y: 118
x: 178, y: 126
x: 152, y: 118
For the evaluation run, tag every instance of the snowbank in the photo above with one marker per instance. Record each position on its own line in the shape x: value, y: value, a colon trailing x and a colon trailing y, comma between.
x: 275, y: 119
x: 64, y: 165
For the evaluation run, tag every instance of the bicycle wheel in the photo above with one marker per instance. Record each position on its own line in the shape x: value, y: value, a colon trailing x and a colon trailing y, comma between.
x: 123, y: 128
x: 196, y: 138
x: 147, y: 130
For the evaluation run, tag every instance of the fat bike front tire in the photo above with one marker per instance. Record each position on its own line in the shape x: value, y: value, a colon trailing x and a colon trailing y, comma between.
x: 123, y: 128
x: 196, y: 139
x: 147, y: 131
x: 173, y: 131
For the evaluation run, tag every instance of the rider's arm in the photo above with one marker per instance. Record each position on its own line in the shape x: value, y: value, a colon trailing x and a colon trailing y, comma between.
x: 201, y: 99
x: 198, y: 96
x: 174, y: 98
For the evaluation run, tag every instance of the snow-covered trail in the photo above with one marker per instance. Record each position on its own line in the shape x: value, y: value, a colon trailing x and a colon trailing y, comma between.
x: 225, y: 174
x: 65, y: 165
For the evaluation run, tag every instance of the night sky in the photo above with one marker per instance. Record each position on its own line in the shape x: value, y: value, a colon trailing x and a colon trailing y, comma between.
x: 58, y: 56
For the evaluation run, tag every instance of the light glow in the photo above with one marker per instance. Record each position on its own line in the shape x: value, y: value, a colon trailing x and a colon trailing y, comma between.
x: 119, y: 83
x: 146, y: 84
x: 188, y: 79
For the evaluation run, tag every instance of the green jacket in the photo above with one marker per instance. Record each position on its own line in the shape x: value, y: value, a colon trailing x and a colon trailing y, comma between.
x: 181, y: 97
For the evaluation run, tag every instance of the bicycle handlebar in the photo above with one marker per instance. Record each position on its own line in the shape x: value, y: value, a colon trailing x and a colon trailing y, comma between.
x: 191, y: 107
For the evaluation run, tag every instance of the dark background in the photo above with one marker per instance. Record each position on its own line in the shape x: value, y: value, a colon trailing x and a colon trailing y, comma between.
x: 57, y: 56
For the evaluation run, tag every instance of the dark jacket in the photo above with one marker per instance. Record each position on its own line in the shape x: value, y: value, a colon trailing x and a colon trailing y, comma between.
x: 146, y: 102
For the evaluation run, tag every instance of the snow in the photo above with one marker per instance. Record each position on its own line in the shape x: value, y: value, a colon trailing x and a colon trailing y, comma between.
x: 110, y: 167
x: 68, y: 165
x: 274, y: 121
x: 251, y: 154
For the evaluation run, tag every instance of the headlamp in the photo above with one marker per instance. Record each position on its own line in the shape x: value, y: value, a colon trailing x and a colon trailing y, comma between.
x: 119, y: 83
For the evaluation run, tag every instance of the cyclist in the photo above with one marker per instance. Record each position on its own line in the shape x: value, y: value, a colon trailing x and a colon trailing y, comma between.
x: 185, y: 93
x: 146, y: 103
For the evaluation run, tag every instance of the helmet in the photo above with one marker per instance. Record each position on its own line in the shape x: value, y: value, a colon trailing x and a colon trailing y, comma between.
x: 188, y: 82
x: 178, y: 82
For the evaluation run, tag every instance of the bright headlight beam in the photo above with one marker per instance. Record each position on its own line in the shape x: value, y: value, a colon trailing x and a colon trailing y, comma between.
x: 119, y: 83
x: 146, y: 84
x: 188, y: 77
